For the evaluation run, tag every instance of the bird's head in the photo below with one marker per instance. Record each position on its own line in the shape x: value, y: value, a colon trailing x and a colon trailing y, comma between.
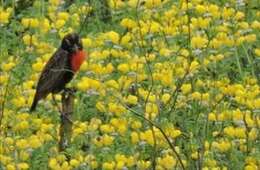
x: 72, y: 43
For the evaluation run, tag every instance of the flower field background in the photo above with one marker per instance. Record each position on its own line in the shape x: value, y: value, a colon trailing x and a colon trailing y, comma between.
x: 167, y: 84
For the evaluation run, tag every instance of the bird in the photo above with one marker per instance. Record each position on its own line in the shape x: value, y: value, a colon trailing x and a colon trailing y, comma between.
x: 60, y: 68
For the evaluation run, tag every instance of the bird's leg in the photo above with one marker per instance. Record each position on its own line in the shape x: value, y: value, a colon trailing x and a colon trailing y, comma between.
x: 55, y: 103
x: 70, y: 90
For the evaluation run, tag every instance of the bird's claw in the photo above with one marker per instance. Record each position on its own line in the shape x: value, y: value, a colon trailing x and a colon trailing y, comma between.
x: 70, y: 90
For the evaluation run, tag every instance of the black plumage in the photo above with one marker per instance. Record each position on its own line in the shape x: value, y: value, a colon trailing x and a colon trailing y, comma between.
x: 57, y: 72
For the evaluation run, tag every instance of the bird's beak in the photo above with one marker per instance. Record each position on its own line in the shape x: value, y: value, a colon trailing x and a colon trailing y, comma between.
x: 75, y: 48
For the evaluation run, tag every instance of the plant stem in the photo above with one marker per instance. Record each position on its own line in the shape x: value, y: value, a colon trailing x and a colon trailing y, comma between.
x: 238, y: 64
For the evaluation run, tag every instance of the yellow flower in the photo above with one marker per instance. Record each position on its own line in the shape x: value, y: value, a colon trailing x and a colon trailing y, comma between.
x: 203, y: 23
x: 205, y: 96
x: 227, y: 13
x: 60, y: 23
x: 65, y: 166
x: 201, y: 9
x: 143, y: 165
x: 24, y: 155
x: 19, y: 101
x: 94, y: 164
x: 8, y: 66
x: 54, y: 2
x: 25, y: 22
x: 222, y: 146
x: 38, y: 66
x: 186, y: 88
x: 147, y: 136
x: 9, y: 141
x: 255, y: 25
x: 34, y: 23
x: 196, y: 96
x: 253, y: 134
x: 165, y: 52
x: 83, y: 85
x: 155, y: 27
x: 128, y: 23
x: 53, y: 163
x: 112, y: 84
x: 251, y: 167
x: 168, y: 162
x: 122, y: 128
x: 3, y: 79
x: 87, y: 42
x: 214, y: 10
x: 123, y: 67
x: 250, y: 38
x: 45, y: 25
x: 132, y: 99
x: 113, y: 36
x: 97, y: 141
x: 230, y: 131
x: 61, y: 158
x: 125, y: 40
x: 133, y: 3
x: 152, y: 3
x: 165, y: 98
x: 136, y: 124
x: 23, y: 125
x: 167, y: 78
x: 237, y: 115
x: 239, y: 15
x: 34, y: 141
x: 195, y: 155
x: 4, y: 16
x: 75, y: 163
x: 108, y: 165
x: 134, y: 137
x: 23, y: 166
x: 130, y: 161
x: 107, y: 140
x: 175, y: 133
x: 240, y: 132
x: 106, y: 128
x: 63, y: 32
x: 212, y: 117
x: 100, y: 106
x: 27, y: 39
x: 116, y: 4
x: 198, y: 42
x: 120, y: 165
x: 151, y: 111
x: 10, y: 167
x: 63, y: 15
x: 194, y: 65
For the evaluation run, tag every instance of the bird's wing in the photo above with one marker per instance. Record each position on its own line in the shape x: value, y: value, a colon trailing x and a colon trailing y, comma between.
x: 53, y: 71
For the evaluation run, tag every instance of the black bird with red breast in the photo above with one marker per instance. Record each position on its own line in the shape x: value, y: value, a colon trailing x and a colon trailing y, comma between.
x: 60, y: 68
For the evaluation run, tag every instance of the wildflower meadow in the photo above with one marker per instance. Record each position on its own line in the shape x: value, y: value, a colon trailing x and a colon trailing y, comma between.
x: 166, y: 85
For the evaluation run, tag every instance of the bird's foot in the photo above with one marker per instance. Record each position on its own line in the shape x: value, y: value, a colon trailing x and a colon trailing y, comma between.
x: 69, y: 90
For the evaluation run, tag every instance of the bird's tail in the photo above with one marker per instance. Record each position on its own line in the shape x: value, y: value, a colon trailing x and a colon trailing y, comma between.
x: 34, y: 104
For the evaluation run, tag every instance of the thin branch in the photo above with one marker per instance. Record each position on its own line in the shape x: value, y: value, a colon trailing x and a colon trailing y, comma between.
x: 159, y: 128
x: 175, y: 93
x: 4, y: 100
x: 249, y: 61
x: 141, y: 46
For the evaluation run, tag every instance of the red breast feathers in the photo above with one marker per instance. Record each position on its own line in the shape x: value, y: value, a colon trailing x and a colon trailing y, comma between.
x: 77, y: 59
